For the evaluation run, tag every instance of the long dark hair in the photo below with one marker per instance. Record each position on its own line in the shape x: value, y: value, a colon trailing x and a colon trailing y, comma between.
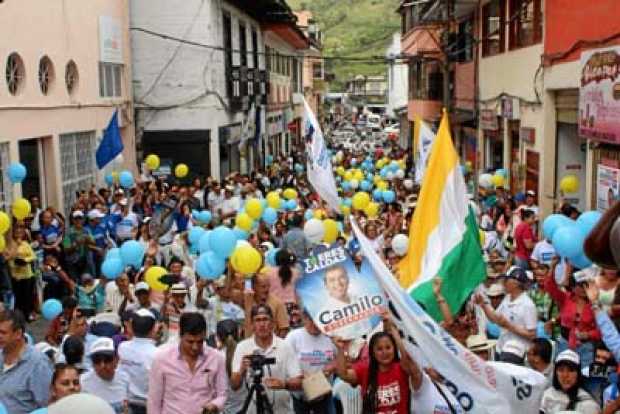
x: 370, y: 397
x: 285, y: 261
x: 572, y: 392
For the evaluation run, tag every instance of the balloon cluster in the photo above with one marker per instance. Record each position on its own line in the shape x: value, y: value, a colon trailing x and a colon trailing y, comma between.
x: 20, y: 209
x: 131, y: 253
x: 321, y: 231
x: 567, y: 236
x: 497, y: 179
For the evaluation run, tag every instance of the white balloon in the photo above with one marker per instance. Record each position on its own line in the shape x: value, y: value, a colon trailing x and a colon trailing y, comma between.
x: 400, y: 174
x: 80, y: 403
x: 314, y: 230
x: 400, y: 244
x: 354, y: 183
x: 485, y: 181
x: 408, y: 183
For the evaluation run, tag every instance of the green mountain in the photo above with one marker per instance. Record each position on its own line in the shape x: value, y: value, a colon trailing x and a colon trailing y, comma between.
x: 353, y: 28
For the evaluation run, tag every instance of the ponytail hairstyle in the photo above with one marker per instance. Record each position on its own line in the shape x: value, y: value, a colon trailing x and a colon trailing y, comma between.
x: 370, y: 397
x: 227, y: 333
x: 285, y: 259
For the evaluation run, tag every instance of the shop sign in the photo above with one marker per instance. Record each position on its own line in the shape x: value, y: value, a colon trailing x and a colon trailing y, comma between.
x: 110, y: 40
x: 488, y: 119
x: 607, y: 186
x: 599, y: 95
x: 527, y: 134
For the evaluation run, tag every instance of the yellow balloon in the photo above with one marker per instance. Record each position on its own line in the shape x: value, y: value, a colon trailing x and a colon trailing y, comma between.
x: 244, y: 221
x: 5, y: 222
x: 181, y: 170
x: 569, y: 184
x: 254, y: 208
x: 152, y: 162
x: 372, y: 209
x: 331, y: 231
x: 2, y: 243
x: 151, y: 277
x: 360, y: 200
x: 380, y: 164
x: 348, y: 176
x: 290, y: 194
x: 382, y: 185
x: 21, y: 208
x: 498, y: 180
x: 340, y: 170
x: 246, y: 260
x: 386, y: 160
x: 402, y: 164
x: 376, y: 179
x: 358, y: 175
x: 273, y: 200
x: 319, y: 214
x: 115, y: 176
x: 346, y: 210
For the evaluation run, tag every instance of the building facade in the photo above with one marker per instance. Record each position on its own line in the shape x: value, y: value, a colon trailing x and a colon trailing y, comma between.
x: 67, y: 79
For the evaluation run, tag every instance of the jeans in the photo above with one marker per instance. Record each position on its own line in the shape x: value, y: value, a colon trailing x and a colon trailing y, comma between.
x: 324, y: 406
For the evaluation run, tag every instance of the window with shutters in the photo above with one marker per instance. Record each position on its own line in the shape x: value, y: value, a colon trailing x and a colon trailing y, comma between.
x: 77, y: 159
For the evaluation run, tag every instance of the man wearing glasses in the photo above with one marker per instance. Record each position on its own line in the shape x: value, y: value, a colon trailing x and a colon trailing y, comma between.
x: 105, y: 381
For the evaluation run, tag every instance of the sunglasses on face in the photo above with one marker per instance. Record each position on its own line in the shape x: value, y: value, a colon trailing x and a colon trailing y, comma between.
x: 106, y: 359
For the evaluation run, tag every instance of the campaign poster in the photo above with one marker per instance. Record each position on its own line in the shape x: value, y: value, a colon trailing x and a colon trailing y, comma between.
x: 607, y: 187
x: 343, y: 301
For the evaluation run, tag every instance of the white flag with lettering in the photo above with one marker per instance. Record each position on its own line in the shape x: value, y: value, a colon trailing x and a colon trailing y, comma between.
x: 319, y: 163
x: 424, y: 137
x: 480, y: 387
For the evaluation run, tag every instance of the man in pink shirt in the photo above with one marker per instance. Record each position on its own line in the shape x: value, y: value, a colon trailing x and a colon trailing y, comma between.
x: 188, y: 377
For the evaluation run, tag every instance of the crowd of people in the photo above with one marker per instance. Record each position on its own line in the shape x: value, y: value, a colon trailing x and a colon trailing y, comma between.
x: 202, y: 346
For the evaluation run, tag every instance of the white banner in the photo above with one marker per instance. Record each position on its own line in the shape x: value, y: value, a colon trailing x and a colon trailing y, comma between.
x: 480, y: 387
x: 319, y: 163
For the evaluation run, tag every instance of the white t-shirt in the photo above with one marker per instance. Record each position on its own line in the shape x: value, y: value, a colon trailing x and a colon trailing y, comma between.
x: 135, y: 359
x: 543, y: 252
x: 215, y: 200
x: 114, y: 298
x: 314, y: 352
x: 230, y: 205
x: 428, y: 399
x: 114, y: 392
x: 286, y: 366
x: 520, y: 312
x: 127, y: 224
x: 554, y: 401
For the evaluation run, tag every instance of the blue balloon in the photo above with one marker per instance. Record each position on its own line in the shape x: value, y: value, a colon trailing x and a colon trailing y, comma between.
x: 389, y: 196
x: 502, y: 172
x: 493, y: 330
x: 290, y: 205
x: 38, y: 411
x: 370, y: 177
x: 588, y: 220
x: 125, y: 178
x: 308, y: 214
x: 263, y: 203
x: 222, y: 241
x: 568, y: 241
x: 195, y: 214
x: 554, y: 222
x: 540, y: 330
x: 241, y: 234
x: 270, y: 216
x: 205, y: 216
x: 132, y: 253
x: 210, y: 266
x: 17, y: 172
x: 299, y: 168
x: 365, y: 185
x: 204, y: 244
x: 463, y: 169
x: 394, y: 166
x: 194, y: 234
x: 384, y: 172
x: 346, y: 186
x: 112, y: 268
x: 113, y: 253
x: 109, y: 179
x: 581, y: 261
x: 270, y: 257
x: 347, y: 202
x: 377, y: 195
x: 50, y: 309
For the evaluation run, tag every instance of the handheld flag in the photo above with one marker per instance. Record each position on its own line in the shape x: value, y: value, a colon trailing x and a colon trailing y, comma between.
x: 423, y: 138
x: 319, y: 163
x: 443, y: 234
x: 111, y: 145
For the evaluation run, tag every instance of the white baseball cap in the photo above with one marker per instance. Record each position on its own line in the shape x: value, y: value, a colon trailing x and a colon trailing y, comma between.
x: 95, y: 214
x: 141, y: 286
x: 568, y: 356
x: 145, y: 313
x: 77, y: 213
x: 102, y: 346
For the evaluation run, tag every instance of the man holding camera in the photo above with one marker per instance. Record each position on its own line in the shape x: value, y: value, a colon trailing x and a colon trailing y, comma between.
x: 254, y: 357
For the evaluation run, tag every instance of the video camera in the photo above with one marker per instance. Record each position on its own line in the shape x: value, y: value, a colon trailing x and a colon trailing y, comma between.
x: 258, y: 361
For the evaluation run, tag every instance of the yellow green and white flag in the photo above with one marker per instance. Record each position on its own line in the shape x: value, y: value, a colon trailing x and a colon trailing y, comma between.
x: 443, y: 235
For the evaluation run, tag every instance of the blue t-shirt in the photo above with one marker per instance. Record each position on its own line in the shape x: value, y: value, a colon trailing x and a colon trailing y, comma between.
x: 99, y: 233
x: 50, y: 233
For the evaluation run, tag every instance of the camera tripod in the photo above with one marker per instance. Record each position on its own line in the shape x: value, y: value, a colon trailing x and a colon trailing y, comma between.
x: 263, y: 406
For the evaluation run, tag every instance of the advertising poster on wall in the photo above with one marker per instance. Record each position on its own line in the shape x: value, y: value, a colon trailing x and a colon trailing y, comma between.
x: 342, y: 300
x: 607, y: 186
x: 599, y: 95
